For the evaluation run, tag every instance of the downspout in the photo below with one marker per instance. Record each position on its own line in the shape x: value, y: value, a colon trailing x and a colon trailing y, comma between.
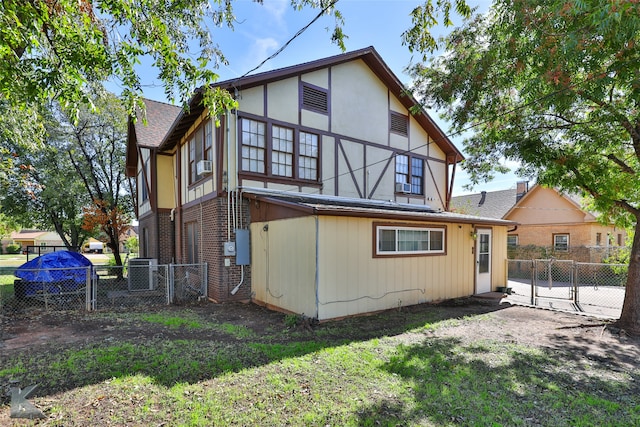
x: 317, y: 273
x: 172, y: 216
x: 228, y: 176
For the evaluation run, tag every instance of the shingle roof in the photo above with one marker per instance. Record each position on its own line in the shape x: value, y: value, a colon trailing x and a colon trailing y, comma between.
x: 160, y: 117
x: 496, y: 204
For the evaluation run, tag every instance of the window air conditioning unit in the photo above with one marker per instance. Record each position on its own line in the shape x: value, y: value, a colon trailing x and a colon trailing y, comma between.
x: 204, y: 166
x: 403, y: 187
x: 141, y: 274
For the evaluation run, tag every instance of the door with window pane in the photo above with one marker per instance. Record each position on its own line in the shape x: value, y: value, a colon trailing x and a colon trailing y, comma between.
x: 483, y: 261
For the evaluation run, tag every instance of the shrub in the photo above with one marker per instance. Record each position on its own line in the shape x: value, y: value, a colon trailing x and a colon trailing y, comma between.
x: 13, y: 249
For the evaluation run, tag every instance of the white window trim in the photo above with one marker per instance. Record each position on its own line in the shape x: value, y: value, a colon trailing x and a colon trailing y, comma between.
x: 555, y: 243
x: 418, y: 252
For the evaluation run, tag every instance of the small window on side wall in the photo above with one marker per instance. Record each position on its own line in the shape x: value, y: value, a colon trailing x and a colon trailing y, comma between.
x: 512, y: 240
x: 395, y: 240
x: 561, y: 242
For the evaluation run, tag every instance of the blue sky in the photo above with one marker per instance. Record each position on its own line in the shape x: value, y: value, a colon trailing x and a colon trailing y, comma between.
x: 263, y: 29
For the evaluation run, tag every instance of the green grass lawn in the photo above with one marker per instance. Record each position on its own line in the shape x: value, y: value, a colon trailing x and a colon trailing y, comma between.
x: 286, y: 379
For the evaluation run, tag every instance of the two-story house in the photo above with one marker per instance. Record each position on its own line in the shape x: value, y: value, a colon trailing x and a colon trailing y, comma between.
x: 322, y: 194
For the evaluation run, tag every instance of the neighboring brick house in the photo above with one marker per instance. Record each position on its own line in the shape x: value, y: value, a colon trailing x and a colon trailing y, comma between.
x: 548, y: 219
x: 322, y: 194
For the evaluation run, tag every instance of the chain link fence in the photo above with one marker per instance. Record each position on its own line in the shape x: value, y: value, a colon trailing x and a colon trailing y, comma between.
x: 102, y: 287
x: 592, y: 288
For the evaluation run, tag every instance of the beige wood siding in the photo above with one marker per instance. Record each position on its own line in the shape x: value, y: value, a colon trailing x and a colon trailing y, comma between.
x: 283, y: 264
x: 351, y: 281
x: 499, y: 257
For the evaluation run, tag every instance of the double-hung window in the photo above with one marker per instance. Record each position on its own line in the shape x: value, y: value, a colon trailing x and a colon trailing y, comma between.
x: 409, y: 240
x: 200, y: 149
x: 409, y: 174
x: 279, y: 151
x: 282, y: 151
x: 561, y: 242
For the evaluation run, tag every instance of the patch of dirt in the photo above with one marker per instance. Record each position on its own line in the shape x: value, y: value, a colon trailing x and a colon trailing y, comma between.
x: 586, y: 338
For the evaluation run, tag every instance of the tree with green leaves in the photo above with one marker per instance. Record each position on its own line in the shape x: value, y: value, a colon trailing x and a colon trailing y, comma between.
x: 555, y: 86
x: 50, y: 49
x: 95, y: 145
x: 43, y: 191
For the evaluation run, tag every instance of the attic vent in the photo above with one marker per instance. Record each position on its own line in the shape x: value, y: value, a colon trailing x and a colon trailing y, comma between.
x: 315, y: 99
x: 399, y: 123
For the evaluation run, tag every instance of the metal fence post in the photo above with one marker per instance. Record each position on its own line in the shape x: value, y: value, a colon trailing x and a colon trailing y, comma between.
x: 205, y: 275
x: 88, y: 289
x: 171, y: 284
x: 534, y: 274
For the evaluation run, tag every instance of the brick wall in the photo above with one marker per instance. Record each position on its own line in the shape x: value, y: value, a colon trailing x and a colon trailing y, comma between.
x: 579, y: 234
x: 148, y: 223
x: 211, y: 219
x: 165, y: 241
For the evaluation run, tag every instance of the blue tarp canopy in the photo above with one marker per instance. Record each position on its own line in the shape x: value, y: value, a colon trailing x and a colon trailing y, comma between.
x: 55, y: 267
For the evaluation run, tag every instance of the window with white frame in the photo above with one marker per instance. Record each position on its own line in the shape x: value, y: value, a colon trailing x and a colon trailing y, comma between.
x: 279, y: 151
x: 409, y: 173
x: 282, y: 151
x: 200, y: 148
x: 253, y: 146
x: 512, y: 240
x: 308, y: 164
x: 561, y: 242
x: 405, y: 240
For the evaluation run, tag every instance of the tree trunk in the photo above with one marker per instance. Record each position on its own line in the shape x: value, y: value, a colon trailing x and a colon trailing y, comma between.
x: 630, y: 317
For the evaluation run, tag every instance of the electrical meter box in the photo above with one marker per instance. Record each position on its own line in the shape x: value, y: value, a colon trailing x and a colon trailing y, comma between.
x: 229, y: 248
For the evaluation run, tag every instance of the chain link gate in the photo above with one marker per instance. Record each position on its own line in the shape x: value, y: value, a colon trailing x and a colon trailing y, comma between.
x: 554, y: 280
x: 591, y: 288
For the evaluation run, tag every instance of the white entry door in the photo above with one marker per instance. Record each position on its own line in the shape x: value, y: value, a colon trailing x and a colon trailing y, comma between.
x: 483, y: 261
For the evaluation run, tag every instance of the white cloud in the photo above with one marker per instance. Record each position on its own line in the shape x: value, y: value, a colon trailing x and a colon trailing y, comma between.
x: 276, y: 10
x: 261, y: 48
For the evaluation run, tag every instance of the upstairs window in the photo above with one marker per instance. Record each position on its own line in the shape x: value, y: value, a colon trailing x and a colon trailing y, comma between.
x: 399, y: 123
x: 308, y: 163
x: 253, y: 146
x: 282, y: 151
x: 315, y: 98
x: 409, y: 175
x: 200, y: 148
x: 279, y: 152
